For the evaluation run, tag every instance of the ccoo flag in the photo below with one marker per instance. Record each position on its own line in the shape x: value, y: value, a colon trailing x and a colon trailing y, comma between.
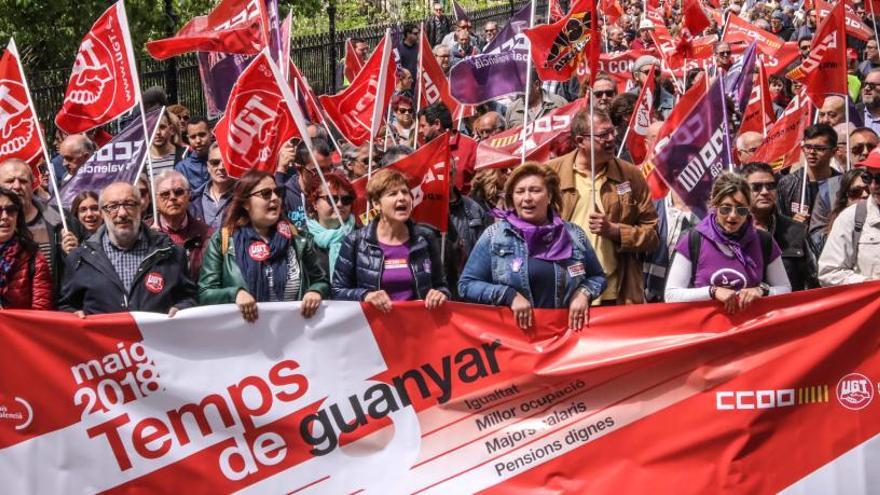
x: 104, y: 83
x: 824, y: 70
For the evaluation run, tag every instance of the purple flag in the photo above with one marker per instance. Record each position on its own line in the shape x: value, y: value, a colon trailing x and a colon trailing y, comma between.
x: 459, y: 11
x: 697, y: 151
x: 119, y: 160
x: 739, y: 79
x: 501, y: 68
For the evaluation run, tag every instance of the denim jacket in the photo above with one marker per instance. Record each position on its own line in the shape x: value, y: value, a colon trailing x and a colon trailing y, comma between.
x: 497, y: 269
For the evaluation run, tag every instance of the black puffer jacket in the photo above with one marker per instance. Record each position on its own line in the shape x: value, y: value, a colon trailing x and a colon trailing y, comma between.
x: 798, y: 259
x: 361, y: 262
x: 162, y: 281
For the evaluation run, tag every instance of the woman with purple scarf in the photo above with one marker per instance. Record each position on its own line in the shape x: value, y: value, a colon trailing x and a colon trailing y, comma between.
x: 725, y: 257
x: 531, y: 258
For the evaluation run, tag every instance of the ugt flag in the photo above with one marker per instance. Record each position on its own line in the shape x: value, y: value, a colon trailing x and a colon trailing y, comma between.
x: 427, y: 170
x: 257, y: 121
x: 104, y: 83
x: 19, y: 127
x: 640, y: 121
x: 234, y: 26
x: 501, y: 68
x: 119, y: 160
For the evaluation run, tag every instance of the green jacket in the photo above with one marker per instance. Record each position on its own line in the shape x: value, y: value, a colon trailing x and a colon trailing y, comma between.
x: 221, y: 279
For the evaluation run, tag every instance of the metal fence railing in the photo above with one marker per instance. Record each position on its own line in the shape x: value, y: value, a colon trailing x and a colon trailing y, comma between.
x: 311, y: 53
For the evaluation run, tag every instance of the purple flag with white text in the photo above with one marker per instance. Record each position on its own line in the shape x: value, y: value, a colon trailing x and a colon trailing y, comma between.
x: 697, y: 151
x: 119, y: 160
x: 501, y: 68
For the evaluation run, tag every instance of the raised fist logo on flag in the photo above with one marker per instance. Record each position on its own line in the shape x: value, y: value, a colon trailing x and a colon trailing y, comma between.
x: 18, y: 131
x: 103, y: 84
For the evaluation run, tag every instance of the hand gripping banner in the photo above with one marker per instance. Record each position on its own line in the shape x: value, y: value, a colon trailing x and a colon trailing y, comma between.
x: 681, y: 398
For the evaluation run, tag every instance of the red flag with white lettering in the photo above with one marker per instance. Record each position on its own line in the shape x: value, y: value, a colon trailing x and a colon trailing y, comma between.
x: 234, y: 26
x: 353, y: 63
x: 435, y: 85
x: 739, y: 30
x: 759, y: 114
x: 19, y: 127
x: 257, y: 121
x: 545, y: 138
x: 824, y: 70
x: 854, y: 25
x: 427, y: 171
x: 640, y: 121
x: 351, y: 110
x: 784, y: 137
x: 104, y: 82
x: 558, y: 48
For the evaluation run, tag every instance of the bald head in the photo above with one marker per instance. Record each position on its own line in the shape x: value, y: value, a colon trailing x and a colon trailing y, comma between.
x: 489, y: 124
x: 17, y: 176
x: 746, y: 144
x: 832, y: 111
x: 75, y: 150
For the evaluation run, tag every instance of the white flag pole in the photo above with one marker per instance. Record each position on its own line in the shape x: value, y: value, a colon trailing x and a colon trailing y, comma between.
x: 378, y: 107
x: 418, y: 81
x: 14, y: 50
x: 528, y: 89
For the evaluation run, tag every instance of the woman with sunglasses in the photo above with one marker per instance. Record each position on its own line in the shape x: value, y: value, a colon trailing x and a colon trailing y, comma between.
x: 323, y: 224
x: 854, y: 186
x: 402, y: 127
x: 390, y: 259
x: 258, y: 255
x: 85, y: 207
x: 725, y: 257
x: 25, y: 279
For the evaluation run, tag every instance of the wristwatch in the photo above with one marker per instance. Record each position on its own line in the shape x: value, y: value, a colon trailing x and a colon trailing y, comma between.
x: 712, y: 290
x: 765, y: 289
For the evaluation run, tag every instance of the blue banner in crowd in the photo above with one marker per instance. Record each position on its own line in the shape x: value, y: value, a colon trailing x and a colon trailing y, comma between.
x: 698, y: 151
x: 501, y: 68
x: 119, y: 160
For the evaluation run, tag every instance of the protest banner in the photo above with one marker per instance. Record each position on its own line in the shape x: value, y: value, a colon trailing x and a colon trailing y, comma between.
x: 688, y: 400
x: 544, y: 138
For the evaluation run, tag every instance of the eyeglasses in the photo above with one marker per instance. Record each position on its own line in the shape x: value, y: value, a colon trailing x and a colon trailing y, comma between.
x: 404, y: 110
x: 871, y: 86
x: 266, y: 194
x: 215, y: 162
x: 608, y: 93
x: 810, y: 148
x: 860, y: 148
x: 602, y: 136
x: 346, y: 200
x: 9, y: 210
x: 490, y: 30
x: 177, y: 192
x: 805, y: 48
x: 723, y: 54
x: 760, y: 186
x: 645, y: 71
x: 726, y: 210
x: 114, y: 207
x: 856, y: 192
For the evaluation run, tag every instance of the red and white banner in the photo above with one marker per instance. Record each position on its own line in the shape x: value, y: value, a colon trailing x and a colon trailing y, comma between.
x: 637, y: 131
x: 234, y: 26
x: 434, y: 86
x: 824, y: 70
x: 854, y: 25
x: 104, y: 83
x: 781, y: 147
x: 257, y: 121
x: 427, y: 170
x: 543, y: 138
x: 19, y: 127
x: 682, y: 398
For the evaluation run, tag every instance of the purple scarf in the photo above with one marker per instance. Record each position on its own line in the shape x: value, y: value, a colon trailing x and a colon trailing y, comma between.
x: 734, y: 242
x: 549, y: 242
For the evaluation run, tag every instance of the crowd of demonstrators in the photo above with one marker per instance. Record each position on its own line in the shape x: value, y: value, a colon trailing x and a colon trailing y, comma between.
x: 578, y: 229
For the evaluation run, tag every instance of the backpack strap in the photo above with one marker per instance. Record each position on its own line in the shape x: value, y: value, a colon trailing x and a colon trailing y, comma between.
x: 695, y: 241
x: 224, y: 241
x: 766, y: 249
x: 861, y: 216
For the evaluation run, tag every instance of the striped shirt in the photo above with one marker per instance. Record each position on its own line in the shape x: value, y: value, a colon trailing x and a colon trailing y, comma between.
x: 294, y: 280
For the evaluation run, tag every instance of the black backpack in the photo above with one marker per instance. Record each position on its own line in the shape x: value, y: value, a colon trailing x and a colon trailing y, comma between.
x: 695, y: 241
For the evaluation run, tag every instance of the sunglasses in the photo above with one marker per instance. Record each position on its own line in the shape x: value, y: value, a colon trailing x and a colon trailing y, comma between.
x: 863, y: 148
x: 871, y: 86
x: 177, y: 192
x: 868, y: 178
x: 266, y: 194
x: 608, y: 93
x: 405, y: 110
x: 726, y: 210
x: 723, y: 54
x: 760, y: 186
x: 856, y: 192
x: 346, y: 200
x: 215, y: 162
x: 9, y: 210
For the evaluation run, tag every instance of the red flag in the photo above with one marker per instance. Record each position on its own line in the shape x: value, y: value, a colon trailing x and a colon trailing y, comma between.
x: 824, y: 70
x: 640, y: 121
x: 555, y: 9
x: 759, y: 114
x: 611, y: 9
x: 558, y: 48
x: 353, y: 63
x: 257, y: 121
x: 695, y: 20
x: 104, y: 82
x: 304, y: 95
x: 742, y: 31
x: 19, y: 128
x: 428, y: 173
x: 854, y: 25
x: 435, y: 85
x: 352, y: 108
x: 234, y: 26
x: 545, y: 138
x: 784, y: 137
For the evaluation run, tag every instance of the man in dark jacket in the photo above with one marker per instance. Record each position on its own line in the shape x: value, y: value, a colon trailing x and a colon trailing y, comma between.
x: 791, y: 236
x: 125, y: 267
x: 438, y: 26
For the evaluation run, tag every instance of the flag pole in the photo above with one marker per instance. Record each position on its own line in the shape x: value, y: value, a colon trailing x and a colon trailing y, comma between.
x: 763, y: 100
x: 846, y: 118
x: 724, y: 123
x: 378, y: 108
x: 39, y: 128
x: 806, y: 167
x: 874, y: 23
x: 417, y: 79
x: 528, y: 89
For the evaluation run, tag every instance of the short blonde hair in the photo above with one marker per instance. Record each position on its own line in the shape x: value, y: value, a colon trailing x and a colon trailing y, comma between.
x: 529, y: 169
x: 728, y: 184
x: 384, y: 180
